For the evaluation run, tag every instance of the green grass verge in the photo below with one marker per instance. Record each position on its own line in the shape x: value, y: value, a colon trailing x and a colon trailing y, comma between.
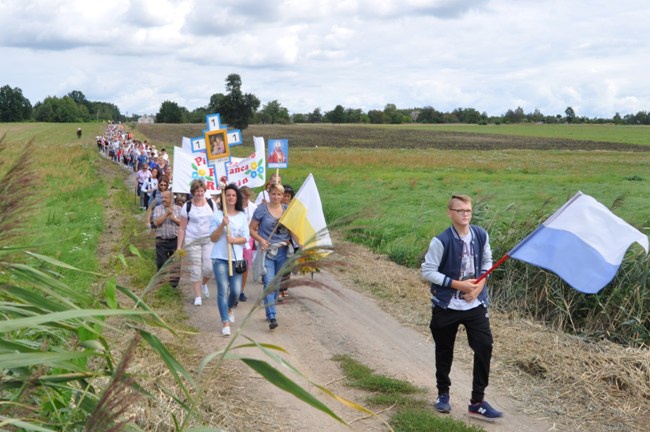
x: 412, y: 411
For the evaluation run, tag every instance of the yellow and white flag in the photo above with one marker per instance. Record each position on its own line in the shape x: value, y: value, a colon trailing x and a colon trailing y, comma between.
x: 304, y: 217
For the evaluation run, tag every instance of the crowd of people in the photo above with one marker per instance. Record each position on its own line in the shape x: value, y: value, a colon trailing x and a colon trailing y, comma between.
x: 214, y: 232
x: 218, y: 234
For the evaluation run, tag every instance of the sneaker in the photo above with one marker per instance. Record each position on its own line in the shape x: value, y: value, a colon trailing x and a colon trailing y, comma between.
x: 273, y: 324
x: 197, y: 301
x: 231, y: 316
x: 206, y: 291
x: 442, y: 403
x: 242, y: 297
x: 484, y: 411
x: 225, y: 331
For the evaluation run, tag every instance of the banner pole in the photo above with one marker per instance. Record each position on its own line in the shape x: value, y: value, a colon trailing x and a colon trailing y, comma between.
x: 497, y: 264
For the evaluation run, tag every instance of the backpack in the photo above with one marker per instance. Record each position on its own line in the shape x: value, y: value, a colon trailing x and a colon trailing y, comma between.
x: 188, y: 206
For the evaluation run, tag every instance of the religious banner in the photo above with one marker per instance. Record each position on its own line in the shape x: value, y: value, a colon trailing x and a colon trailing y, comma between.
x: 278, y: 153
x: 189, y: 166
x: 249, y: 171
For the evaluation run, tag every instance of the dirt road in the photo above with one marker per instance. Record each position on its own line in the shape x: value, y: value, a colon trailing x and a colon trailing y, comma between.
x: 317, y: 324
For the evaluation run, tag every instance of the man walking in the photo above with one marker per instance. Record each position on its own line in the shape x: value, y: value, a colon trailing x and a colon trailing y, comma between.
x: 455, y: 259
x: 166, y: 218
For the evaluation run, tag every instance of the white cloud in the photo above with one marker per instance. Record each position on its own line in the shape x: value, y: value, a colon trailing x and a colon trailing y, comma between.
x: 492, y: 55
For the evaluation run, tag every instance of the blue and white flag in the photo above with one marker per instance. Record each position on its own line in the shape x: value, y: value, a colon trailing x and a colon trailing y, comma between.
x: 583, y: 243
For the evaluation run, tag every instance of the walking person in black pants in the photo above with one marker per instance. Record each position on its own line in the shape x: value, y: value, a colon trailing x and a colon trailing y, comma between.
x: 166, y: 218
x: 455, y: 259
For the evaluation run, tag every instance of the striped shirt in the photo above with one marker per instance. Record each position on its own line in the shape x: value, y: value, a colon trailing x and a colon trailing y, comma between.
x: 168, y: 230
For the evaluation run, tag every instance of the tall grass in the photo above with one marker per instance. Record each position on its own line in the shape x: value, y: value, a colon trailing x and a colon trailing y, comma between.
x: 620, y: 312
x: 59, y: 370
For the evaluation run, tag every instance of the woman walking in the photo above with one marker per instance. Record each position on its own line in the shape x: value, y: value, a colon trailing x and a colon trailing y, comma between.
x: 194, y: 237
x: 249, y: 249
x: 230, y: 233
x: 273, y: 239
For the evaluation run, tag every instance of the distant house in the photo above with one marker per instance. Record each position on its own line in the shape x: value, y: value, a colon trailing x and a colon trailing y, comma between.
x: 146, y: 119
x: 414, y: 115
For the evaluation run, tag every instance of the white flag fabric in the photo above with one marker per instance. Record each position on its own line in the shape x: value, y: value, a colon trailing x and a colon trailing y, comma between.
x: 583, y: 242
x: 189, y: 166
x: 250, y: 171
x: 304, y: 217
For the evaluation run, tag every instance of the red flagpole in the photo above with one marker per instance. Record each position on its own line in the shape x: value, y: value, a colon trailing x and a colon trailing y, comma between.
x: 497, y: 264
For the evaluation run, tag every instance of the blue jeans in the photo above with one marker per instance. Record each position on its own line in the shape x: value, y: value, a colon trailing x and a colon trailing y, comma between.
x: 273, y: 266
x: 226, y: 299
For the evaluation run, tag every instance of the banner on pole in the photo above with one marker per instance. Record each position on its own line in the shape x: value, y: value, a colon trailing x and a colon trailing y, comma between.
x: 249, y: 171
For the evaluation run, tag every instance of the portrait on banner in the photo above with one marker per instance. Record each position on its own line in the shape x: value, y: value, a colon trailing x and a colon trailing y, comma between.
x: 278, y: 153
x: 217, y: 145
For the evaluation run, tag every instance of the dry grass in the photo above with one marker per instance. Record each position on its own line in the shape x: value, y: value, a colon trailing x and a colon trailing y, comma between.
x: 222, y: 404
x: 581, y: 385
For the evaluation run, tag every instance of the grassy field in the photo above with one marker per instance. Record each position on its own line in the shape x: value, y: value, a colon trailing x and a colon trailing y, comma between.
x: 387, y: 187
x: 398, y: 195
x: 610, y: 133
x: 390, y: 198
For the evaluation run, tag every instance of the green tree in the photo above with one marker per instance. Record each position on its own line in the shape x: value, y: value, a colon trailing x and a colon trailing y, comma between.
x: 315, y: 117
x: 393, y: 116
x: 235, y: 107
x: 53, y: 109
x: 467, y: 115
x: 516, y: 116
x: 68, y: 111
x: 273, y: 112
x: 14, y: 107
x: 376, y: 116
x: 105, y: 111
x: 355, y: 115
x: 197, y: 115
x: 570, y: 114
x: 337, y: 115
x: 429, y: 115
x: 170, y: 112
x: 85, y: 106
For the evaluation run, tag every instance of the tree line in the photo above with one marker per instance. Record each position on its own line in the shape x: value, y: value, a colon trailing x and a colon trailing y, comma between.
x: 240, y: 109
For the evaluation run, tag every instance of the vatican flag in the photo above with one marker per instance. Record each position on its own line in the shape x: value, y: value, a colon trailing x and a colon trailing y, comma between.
x: 305, y: 219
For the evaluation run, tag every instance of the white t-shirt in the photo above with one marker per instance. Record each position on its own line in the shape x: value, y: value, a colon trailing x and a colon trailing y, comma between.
x: 466, y: 272
x: 198, y: 224
x: 238, y: 228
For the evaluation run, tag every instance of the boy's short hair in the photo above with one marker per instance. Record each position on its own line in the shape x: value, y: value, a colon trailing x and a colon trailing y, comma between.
x: 464, y: 198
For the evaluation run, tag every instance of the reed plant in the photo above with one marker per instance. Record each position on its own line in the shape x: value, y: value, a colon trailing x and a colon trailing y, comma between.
x: 619, y: 313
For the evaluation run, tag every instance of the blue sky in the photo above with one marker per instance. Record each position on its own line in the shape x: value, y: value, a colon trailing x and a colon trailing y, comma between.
x: 492, y: 55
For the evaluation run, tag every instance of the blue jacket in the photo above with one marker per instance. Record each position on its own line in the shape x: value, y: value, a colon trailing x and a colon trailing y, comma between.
x: 450, y: 262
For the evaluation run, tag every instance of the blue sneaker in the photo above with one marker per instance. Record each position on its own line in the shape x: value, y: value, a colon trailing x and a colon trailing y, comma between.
x: 483, y: 411
x: 442, y: 403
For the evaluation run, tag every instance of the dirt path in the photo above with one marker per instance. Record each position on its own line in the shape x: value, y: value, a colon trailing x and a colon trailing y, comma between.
x: 317, y: 324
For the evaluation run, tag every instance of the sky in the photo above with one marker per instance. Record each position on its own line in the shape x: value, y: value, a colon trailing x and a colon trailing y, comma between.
x: 491, y: 55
